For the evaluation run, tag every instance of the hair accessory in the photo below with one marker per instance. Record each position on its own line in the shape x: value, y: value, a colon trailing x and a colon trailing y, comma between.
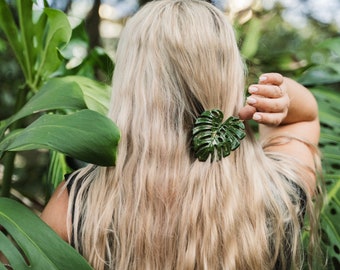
x: 212, y: 137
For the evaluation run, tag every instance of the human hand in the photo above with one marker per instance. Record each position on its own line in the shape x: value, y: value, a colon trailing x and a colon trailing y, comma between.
x: 268, y: 103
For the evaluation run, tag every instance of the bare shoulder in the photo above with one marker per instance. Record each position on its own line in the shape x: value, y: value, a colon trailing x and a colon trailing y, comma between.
x: 306, y: 132
x: 55, y: 212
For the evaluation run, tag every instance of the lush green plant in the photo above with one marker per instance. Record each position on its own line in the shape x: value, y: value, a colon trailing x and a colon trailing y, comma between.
x: 281, y: 49
x: 323, y: 78
x: 65, y: 114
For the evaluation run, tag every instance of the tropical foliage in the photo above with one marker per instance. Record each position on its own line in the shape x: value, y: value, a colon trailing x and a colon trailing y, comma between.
x: 46, y: 103
x: 33, y: 245
x: 54, y: 110
x: 212, y: 138
x: 320, y: 78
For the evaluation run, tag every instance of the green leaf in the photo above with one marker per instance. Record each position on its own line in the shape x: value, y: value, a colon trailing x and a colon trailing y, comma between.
x: 58, y: 34
x: 251, y: 42
x: 7, y: 24
x: 211, y: 136
x: 85, y: 135
x: 320, y: 75
x: 12, y: 254
x: 329, y: 113
x: 26, y: 35
x: 57, y: 169
x: 330, y: 220
x: 37, y: 243
x: 36, y: 41
x: 332, y: 44
x: 96, y: 61
x: 96, y: 94
x: 39, y: 32
x: 57, y: 93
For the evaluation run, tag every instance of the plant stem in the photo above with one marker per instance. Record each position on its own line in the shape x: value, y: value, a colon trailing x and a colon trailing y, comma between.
x: 26, y: 51
x: 8, y: 172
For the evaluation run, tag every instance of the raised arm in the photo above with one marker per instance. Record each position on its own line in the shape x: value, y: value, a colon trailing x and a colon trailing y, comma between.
x: 284, y: 107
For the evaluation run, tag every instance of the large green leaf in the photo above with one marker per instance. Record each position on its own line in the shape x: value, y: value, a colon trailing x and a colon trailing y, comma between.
x: 328, y: 101
x: 251, y: 40
x: 55, y: 94
x: 85, y: 135
x: 328, y: 71
x: 320, y: 75
x: 34, y: 246
x: 96, y: 94
x: 58, y: 34
x: 330, y: 220
x: 71, y: 92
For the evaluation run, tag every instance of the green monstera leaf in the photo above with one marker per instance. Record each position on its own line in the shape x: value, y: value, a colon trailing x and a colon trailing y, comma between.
x: 213, y: 138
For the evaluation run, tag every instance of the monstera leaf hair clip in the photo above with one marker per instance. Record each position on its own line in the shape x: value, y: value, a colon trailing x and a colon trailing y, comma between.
x: 213, y: 138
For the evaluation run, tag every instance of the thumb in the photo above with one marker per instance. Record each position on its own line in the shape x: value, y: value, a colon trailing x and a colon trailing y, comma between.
x: 246, y: 113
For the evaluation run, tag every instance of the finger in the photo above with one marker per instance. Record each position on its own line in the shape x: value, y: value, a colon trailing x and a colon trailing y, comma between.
x: 270, y: 119
x: 267, y: 90
x: 271, y: 78
x: 270, y: 105
x: 247, y: 112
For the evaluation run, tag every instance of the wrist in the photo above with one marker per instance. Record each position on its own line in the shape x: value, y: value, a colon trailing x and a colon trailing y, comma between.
x: 302, y: 106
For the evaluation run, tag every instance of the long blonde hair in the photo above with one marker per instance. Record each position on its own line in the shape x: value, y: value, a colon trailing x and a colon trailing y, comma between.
x: 158, y: 207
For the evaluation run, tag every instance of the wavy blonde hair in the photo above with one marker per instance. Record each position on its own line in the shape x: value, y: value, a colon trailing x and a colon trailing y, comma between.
x: 158, y: 207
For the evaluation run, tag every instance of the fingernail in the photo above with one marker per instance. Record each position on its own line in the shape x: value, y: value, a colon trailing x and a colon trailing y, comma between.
x: 253, y: 89
x: 256, y: 117
x: 262, y: 78
x: 251, y: 100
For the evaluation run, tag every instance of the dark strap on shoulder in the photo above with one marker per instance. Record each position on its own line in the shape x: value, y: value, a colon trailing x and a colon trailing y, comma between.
x: 70, y: 179
x: 69, y: 182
